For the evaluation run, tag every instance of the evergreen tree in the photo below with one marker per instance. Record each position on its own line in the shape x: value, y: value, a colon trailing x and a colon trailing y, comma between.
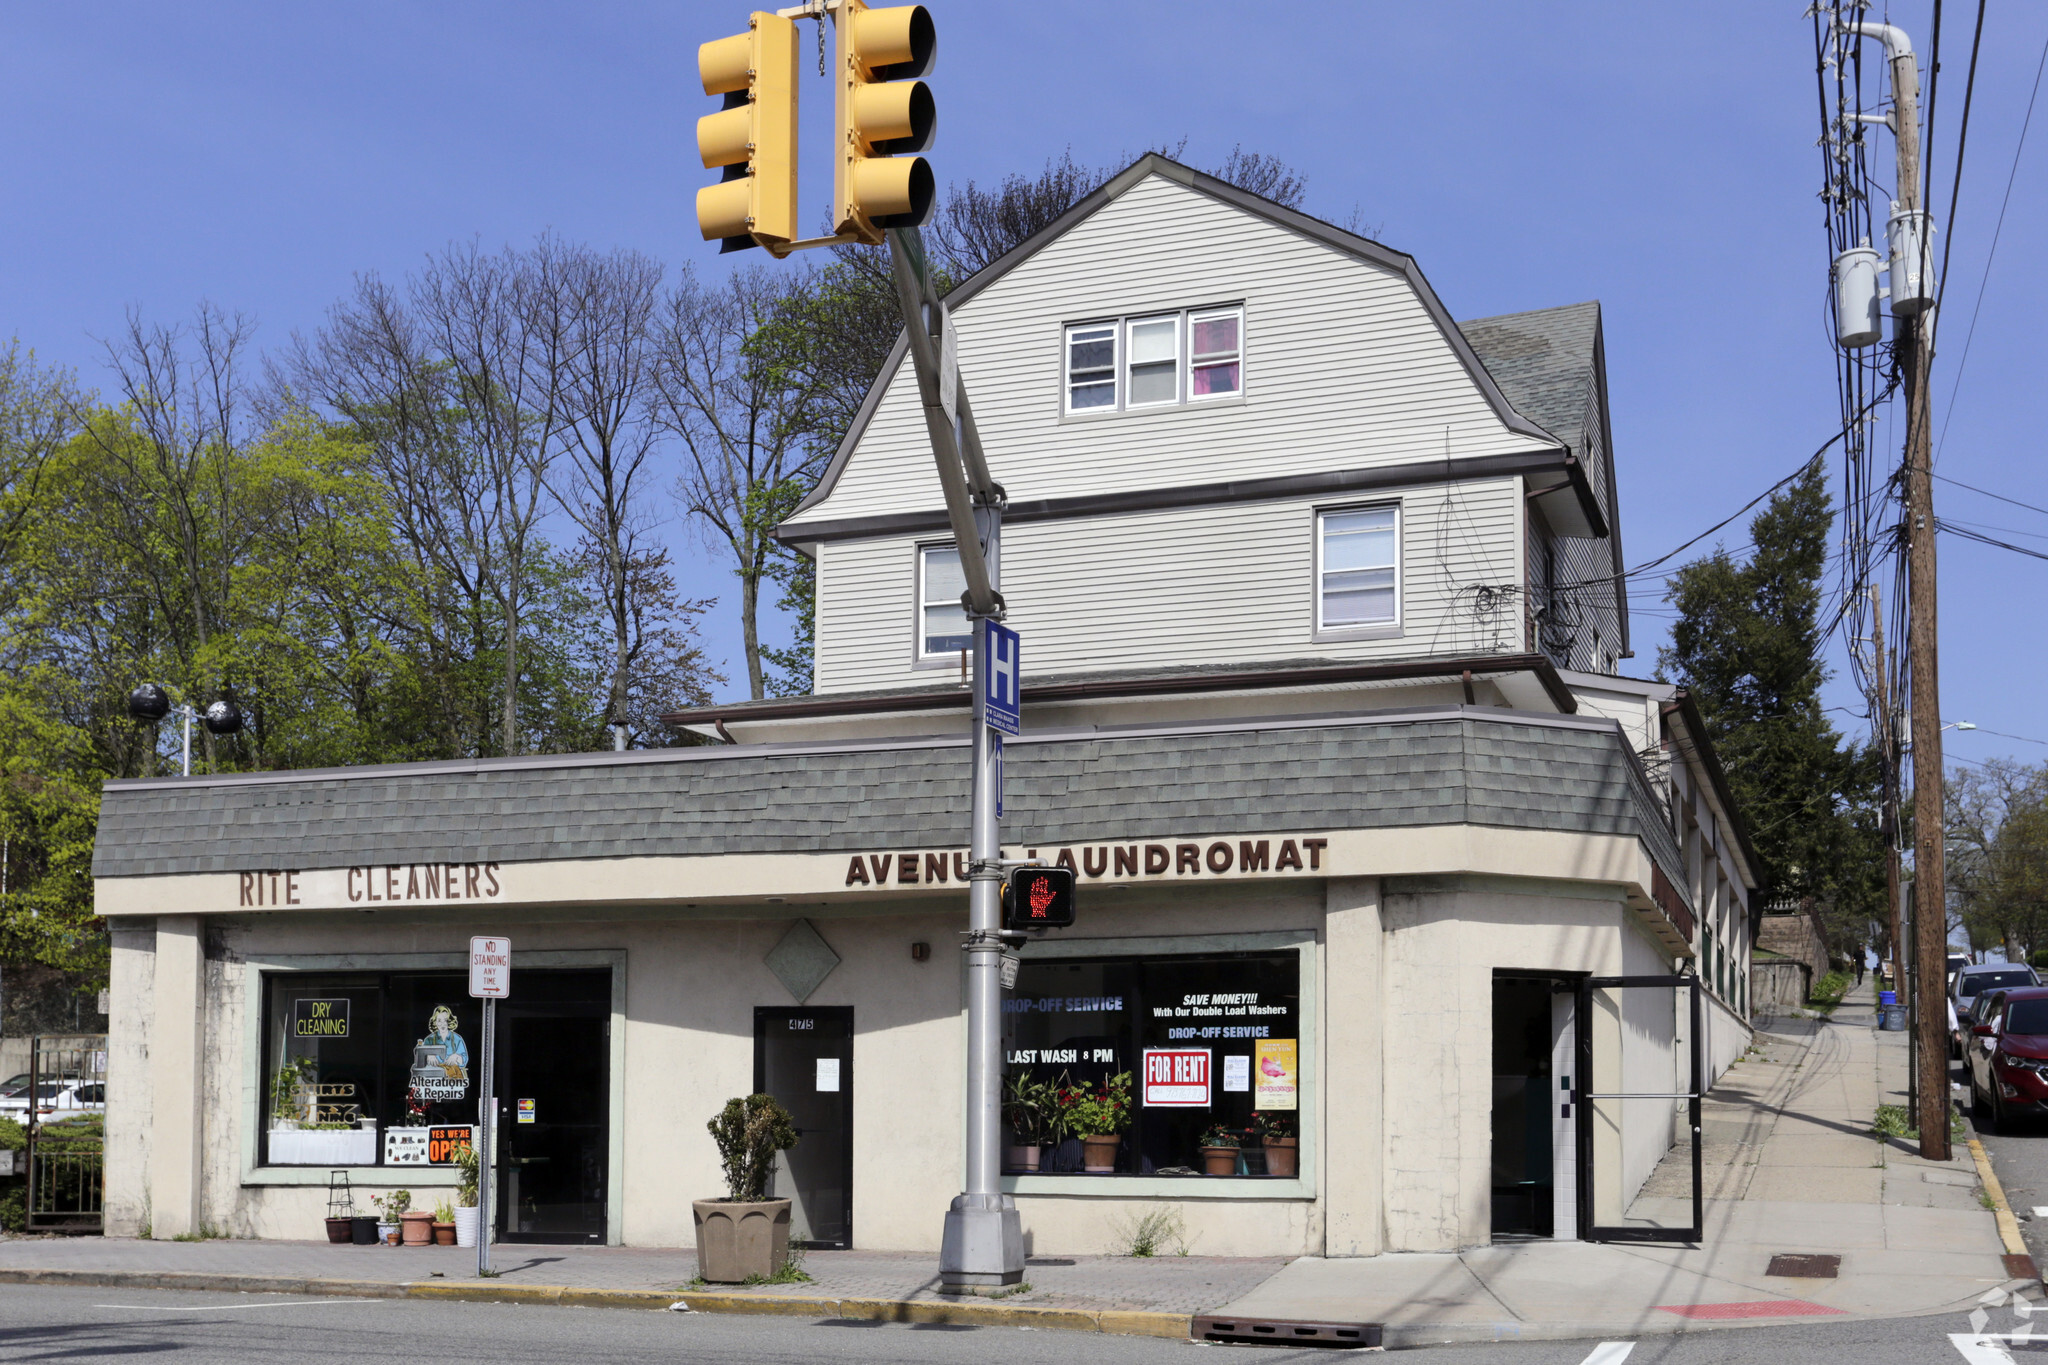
x: 1747, y: 647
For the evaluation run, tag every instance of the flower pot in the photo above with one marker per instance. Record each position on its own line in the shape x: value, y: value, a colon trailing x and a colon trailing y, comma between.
x: 465, y: 1226
x: 1281, y: 1156
x: 736, y: 1239
x: 387, y: 1233
x: 1098, y: 1153
x: 340, y: 1229
x: 362, y: 1230
x: 418, y: 1227
x: 1219, y: 1161
x: 444, y: 1234
x: 1023, y: 1158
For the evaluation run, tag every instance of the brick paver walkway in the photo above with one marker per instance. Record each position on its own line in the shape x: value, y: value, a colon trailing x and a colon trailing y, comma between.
x: 1173, y: 1284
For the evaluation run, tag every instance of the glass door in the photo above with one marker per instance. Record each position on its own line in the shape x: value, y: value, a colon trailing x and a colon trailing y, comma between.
x: 1639, y: 1044
x: 554, y: 1107
x: 804, y: 1058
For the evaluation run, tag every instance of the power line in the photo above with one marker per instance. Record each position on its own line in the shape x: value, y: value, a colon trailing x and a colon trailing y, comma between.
x: 1983, y: 539
x: 2003, y: 735
x: 1962, y: 141
x: 1992, y: 254
x: 1989, y: 494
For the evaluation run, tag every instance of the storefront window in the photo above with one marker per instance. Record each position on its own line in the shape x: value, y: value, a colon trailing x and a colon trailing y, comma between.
x: 1211, y: 1045
x: 367, y: 1069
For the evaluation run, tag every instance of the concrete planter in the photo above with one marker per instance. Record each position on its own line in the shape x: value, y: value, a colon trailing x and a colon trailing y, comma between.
x: 736, y: 1240
x: 1282, y: 1155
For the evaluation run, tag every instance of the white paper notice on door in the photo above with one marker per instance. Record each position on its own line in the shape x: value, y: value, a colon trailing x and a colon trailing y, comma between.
x: 1237, y: 1073
x: 828, y: 1073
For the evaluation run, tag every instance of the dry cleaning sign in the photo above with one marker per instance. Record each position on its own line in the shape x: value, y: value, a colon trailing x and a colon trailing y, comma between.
x: 320, y: 1018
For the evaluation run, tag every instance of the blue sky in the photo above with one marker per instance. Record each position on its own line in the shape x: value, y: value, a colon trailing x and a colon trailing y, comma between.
x: 1657, y: 158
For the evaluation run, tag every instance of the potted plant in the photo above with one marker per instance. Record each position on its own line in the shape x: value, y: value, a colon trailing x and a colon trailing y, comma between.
x: 391, y: 1208
x: 746, y: 1233
x: 466, y: 1162
x: 1219, y: 1151
x: 285, y: 1103
x: 1098, y: 1117
x: 444, y: 1224
x: 1283, y: 1149
x: 1032, y: 1110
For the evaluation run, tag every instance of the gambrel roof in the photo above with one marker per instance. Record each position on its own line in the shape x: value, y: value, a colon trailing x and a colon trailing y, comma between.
x: 1554, y: 462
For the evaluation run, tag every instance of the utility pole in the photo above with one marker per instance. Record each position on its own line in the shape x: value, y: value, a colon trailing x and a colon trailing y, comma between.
x: 1914, y: 337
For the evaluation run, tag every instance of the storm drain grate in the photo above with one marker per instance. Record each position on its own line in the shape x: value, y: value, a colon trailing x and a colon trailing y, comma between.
x: 2022, y: 1267
x: 1811, y: 1266
x: 1284, y: 1331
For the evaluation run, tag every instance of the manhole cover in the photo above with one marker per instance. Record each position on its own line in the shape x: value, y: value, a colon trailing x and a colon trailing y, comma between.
x: 1812, y: 1266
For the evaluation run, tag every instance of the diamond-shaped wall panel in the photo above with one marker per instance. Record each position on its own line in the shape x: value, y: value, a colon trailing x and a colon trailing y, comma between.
x: 802, y: 960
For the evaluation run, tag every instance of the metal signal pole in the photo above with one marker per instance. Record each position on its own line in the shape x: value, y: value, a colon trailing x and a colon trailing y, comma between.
x: 982, y: 1247
x: 1930, y: 899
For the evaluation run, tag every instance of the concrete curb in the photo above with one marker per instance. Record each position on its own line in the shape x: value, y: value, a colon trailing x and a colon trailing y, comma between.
x: 1110, y: 1321
x: 2008, y: 1226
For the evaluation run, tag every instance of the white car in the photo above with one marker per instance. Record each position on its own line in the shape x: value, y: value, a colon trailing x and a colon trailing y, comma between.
x: 54, y: 1100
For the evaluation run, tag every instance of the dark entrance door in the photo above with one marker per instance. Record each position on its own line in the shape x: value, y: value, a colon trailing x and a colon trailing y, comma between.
x: 554, y: 1106
x: 804, y: 1058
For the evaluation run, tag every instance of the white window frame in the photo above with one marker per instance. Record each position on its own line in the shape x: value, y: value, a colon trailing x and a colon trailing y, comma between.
x: 919, y: 653
x: 1115, y: 328
x: 1367, y: 630
x: 1199, y: 315
x: 1120, y: 364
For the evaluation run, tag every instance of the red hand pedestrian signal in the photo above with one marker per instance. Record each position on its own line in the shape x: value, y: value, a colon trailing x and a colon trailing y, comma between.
x: 1039, y: 898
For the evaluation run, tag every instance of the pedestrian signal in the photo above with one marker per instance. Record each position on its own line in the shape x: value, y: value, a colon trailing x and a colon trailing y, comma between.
x: 1039, y: 898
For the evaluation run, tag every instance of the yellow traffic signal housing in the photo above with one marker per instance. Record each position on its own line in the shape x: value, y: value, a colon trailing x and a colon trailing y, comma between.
x: 753, y: 137
x: 883, y: 111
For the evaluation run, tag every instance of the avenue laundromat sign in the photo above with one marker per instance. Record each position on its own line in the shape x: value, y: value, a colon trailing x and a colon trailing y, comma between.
x: 1107, y: 862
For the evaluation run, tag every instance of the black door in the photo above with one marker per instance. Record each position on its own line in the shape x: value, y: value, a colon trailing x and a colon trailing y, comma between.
x: 554, y: 1107
x: 1609, y: 989
x: 804, y: 1058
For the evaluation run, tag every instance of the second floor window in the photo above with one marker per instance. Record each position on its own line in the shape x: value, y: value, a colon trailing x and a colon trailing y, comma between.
x: 941, y: 621
x: 1358, y: 568
x: 1160, y: 360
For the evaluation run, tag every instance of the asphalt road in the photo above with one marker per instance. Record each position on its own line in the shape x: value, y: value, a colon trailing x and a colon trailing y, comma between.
x: 200, y: 1329
x: 2019, y: 1157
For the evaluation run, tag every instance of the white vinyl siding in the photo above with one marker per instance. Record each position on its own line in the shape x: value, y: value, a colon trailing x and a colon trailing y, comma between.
x: 941, y: 621
x: 1350, y: 370
x: 1358, y: 568
x: 1232, y: 583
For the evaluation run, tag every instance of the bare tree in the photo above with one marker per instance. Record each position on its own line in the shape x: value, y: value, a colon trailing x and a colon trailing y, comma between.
x: 744, y: 423
x: 38, y: 413
x: 592, y: 319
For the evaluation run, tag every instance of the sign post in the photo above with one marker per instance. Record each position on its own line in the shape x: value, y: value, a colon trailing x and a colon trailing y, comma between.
x: 490, y: 980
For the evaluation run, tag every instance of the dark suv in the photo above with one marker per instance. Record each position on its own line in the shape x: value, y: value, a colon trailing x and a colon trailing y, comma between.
x: 2008, y: 1057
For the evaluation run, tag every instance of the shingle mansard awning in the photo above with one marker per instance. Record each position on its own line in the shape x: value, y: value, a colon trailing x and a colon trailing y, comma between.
x: 1472, y: 766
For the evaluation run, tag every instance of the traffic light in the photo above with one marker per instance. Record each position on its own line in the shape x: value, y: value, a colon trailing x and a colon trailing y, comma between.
x: 1039, y: 898
x: 881, y: 111
x: 753, y: 137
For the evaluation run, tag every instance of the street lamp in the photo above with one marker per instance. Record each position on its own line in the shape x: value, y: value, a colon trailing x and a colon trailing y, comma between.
x: 1959, y: 725
x: 151, y: 703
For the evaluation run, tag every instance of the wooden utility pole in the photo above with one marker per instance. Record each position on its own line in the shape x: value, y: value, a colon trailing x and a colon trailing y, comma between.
x: 1930, y: 900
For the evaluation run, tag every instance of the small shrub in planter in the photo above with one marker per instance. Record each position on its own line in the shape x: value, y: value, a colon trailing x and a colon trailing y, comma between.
x: 745, y: 1234
x: 1276, y: 1135
x: 1219, y: 1151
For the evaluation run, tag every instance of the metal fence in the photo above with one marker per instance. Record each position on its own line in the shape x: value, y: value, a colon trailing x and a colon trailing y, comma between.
x: 67, y: 1133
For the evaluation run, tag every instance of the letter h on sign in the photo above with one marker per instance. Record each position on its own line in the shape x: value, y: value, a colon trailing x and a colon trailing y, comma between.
x: 999, y: 687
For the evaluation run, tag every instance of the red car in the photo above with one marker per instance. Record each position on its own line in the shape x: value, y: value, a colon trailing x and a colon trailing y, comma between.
x: 2008, y: 1058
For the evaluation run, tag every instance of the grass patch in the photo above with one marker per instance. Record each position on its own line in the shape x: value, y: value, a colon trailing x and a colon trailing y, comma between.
x: 1021, y: 1287
x: 1160, y: 1232
x: 205, y: 1232
x: 1892, y: 1121
x: 1829, y: 990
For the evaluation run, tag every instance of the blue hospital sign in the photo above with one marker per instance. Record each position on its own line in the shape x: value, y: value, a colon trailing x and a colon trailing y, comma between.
x: 999, y: 681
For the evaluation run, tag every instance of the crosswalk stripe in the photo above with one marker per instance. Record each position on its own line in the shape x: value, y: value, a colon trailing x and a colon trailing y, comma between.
x: 1980, y: 1350
x: 1614, y: 1352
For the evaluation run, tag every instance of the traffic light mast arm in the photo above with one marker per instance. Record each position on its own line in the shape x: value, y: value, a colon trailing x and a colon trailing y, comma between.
x: 956, y: 450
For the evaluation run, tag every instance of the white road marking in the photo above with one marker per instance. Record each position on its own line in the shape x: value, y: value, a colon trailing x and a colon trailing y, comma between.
x: 2041, y: 1210
x: 1614, y: 1352
x: 1981, y: 1350
x: 224, y: 1307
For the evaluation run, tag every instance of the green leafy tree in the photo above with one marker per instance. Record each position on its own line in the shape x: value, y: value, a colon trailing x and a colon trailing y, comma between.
x: 1747, y: 646
x: 1998, y: 855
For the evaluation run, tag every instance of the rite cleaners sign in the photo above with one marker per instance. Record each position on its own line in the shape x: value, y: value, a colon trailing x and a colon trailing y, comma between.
x: 1176, y: 1078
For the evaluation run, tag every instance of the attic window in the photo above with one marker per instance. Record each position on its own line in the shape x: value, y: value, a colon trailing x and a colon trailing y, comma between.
x: 1156, y: 360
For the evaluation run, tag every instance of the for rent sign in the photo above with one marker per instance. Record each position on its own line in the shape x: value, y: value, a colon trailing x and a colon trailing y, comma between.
x: 1176, y: 1078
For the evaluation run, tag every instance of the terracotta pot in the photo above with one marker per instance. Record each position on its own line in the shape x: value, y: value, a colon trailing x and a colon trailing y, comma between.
x: 1023, y: 1158
x: 1281, y: 1156
x: 736, y: 1239
x: 444, y: 1234
x: 1098, y: 1153
x: 417, y: 1228
x: 340, y: 1229
x: 1219, y: 1160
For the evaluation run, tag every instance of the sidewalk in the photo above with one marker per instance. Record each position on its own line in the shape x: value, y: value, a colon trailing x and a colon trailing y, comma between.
x: 1790, y: 1163
x: 1790, y: 1166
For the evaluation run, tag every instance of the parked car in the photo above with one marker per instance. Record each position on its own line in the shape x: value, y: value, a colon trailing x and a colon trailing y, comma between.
x: 1972, y: 981
x: 2008, y: 1058
x: 55, y: 1100
x: 18, y: 1085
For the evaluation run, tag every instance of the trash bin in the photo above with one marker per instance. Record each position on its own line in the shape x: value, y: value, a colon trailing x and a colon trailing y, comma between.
x: 1894, y: 1019
x: 1887, y: 998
